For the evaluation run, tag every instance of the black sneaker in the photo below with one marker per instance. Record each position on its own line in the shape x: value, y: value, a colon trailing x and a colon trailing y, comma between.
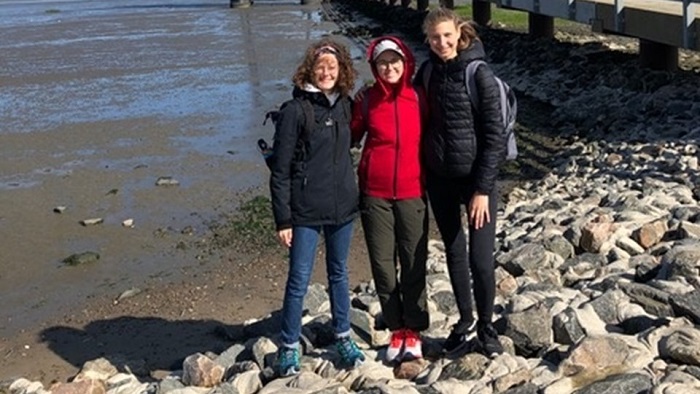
x: 488, y: 338
x: 459, y: 337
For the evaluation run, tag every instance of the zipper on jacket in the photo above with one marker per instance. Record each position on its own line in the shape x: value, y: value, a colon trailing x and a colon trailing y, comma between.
x: 336, y: 133
x: 335, y: 143
x: 444, y: 101
x: 398, y: 145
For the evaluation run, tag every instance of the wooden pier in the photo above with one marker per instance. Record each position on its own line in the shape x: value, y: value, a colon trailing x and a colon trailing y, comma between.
x: 662, y: 26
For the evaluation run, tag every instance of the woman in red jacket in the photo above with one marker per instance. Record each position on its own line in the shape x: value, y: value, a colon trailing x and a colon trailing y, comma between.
x: 393, y: 206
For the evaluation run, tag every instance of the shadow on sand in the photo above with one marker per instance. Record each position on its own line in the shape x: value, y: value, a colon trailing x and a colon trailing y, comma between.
x: 145, y: 344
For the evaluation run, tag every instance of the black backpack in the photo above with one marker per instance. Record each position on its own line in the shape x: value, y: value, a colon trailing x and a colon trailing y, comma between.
x: 308, y: 126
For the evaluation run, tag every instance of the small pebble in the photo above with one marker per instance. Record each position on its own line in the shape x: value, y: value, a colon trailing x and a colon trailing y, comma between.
x: 128, y: 293
x: 91, y: 221
x: 167, y: 181
x: 59, y: 209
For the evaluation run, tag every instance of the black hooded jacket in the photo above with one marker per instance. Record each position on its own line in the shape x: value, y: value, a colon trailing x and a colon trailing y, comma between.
x: 319, y: 188
x: 458, y: 141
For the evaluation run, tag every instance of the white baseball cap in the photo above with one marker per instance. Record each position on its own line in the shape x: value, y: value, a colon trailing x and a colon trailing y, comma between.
x: 386, y: 45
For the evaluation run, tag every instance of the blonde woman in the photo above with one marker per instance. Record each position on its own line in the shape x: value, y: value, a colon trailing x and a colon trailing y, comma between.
x: 463, y: 151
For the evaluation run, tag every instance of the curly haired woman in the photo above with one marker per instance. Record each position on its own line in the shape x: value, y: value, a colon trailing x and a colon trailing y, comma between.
x: 313, y: 191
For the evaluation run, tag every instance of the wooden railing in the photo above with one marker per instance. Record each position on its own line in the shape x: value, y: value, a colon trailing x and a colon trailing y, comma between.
x: 670, y: 22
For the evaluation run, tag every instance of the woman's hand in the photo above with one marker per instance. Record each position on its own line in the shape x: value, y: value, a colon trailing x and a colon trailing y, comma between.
x: 362, y: 92
x: 285, y: 237
x: 479, y: 210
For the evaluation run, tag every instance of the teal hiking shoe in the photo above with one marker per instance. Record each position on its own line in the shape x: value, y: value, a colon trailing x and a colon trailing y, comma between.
x: 350, y: 354
x: 288, y: 361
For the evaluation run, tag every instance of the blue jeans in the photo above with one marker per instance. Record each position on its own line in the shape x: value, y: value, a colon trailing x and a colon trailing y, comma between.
x: 301, y: 262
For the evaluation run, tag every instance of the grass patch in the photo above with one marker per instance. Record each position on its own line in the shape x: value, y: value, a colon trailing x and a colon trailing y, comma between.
x: 512, y: 19
x: 254, y: 223
x: 250, y: 230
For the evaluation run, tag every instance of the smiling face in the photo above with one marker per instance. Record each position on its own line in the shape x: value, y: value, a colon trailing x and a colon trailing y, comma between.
x: 443, y: 38
x: 326, y: 71
x: 390, y: 66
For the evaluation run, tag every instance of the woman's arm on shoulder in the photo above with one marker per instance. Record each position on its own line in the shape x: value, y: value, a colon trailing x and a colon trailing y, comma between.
x: 360, y: 110
x: 418, y: 78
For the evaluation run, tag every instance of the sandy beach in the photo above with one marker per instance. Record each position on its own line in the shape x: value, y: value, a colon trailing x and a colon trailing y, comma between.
x: 99, y: 100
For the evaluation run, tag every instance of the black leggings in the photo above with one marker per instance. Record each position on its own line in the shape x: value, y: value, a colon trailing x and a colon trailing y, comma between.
x: 447, y: 195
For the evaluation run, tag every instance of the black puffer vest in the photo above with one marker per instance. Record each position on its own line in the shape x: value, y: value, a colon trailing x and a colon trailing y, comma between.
x: 458, y: 142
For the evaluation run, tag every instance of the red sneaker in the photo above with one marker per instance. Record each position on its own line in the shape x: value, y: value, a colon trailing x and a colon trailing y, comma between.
x: 413, y: 346
x: 395, y: 345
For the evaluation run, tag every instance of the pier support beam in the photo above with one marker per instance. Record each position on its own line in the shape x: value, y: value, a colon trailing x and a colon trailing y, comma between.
x: 405, y: 3
x: 540, y: 26
x: 422, y: 5
x: 448, y: 4
x: 239, y: 3
x: 657, y: 56
x: 481, y: 12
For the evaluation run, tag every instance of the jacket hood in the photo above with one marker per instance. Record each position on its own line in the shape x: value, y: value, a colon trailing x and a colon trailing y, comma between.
x: 313, y: 94
x: 409, y: 64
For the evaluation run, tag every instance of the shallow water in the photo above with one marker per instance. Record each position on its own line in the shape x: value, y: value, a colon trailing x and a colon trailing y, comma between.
x: 101, y: 95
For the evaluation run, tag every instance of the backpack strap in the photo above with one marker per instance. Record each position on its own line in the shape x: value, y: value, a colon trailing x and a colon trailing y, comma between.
x: 470, y: 82
x: 309, y: 121
x: 473, y: 92
x: 308, y: 124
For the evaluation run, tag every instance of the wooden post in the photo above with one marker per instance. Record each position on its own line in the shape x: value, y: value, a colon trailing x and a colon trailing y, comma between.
x: 657, y: 56
x: 448, y: 4
x: 422, y: 4
x: 481, y: 12
x: 540, y: 26
x: 405, y: 3
x: 239, y: 3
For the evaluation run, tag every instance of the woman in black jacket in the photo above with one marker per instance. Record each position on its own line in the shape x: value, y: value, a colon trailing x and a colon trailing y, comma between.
x: 314, y: 191
x: 463, y: 150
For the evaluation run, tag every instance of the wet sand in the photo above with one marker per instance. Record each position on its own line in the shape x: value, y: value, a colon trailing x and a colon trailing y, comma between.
x: 99, y: 100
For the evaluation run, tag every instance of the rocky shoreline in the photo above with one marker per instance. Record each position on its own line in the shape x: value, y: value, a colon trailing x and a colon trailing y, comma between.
x: 598, y: 251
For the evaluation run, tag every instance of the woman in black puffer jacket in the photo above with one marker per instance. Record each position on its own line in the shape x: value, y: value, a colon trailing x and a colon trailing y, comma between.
x: 463, y: 150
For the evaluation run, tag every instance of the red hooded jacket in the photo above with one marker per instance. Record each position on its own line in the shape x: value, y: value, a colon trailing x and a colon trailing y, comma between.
x: 391, y: 159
